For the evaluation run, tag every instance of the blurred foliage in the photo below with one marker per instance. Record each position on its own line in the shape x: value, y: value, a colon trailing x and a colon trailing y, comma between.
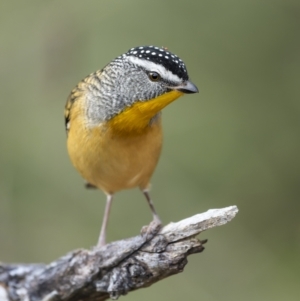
x: 236, y: 142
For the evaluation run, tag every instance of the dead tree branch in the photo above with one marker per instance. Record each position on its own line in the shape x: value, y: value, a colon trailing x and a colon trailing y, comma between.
x: 114, y: 269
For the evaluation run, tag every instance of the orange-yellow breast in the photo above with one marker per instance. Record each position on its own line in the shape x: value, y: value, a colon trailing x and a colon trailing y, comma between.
x: 121, y: 153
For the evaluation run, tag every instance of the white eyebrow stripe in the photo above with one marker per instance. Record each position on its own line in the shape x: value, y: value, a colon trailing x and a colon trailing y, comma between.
x: 150, y: 66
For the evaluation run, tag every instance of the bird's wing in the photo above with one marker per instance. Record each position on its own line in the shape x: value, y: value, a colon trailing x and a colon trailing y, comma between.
x: 89, y: 83
x: 70, y: 101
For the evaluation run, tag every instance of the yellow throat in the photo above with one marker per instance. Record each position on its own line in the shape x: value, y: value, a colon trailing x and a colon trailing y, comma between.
x: 135, y: 119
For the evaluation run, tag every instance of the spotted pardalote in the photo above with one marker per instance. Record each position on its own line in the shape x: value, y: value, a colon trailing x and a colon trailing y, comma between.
x: 113, y: 120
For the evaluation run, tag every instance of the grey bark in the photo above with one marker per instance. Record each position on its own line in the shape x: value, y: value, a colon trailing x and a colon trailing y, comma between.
x: 115, y: 269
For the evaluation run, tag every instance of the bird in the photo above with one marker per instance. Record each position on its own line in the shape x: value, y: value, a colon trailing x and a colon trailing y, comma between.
x: 114, y: 125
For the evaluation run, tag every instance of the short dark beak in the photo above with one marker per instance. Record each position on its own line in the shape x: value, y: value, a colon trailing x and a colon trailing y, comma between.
x: 188, y: 88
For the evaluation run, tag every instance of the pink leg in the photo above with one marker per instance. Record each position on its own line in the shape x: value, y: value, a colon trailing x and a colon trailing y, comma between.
x: 102, y: 236
x: 155, y: 215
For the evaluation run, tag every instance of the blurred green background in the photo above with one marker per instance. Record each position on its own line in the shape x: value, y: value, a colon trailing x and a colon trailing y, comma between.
x: 234, y: 143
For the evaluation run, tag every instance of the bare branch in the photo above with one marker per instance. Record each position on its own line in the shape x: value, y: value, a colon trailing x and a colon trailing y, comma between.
x: 115, y: 269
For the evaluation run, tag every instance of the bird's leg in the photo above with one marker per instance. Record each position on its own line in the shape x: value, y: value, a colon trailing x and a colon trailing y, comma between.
x: 155, y: 216
x: 153, y: 228
x: 102, y: 236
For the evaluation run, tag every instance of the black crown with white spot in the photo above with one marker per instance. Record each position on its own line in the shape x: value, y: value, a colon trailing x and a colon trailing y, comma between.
x: 160, y: 56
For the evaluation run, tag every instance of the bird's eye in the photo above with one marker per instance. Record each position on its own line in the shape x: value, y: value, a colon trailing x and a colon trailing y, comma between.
x: 154, y: 76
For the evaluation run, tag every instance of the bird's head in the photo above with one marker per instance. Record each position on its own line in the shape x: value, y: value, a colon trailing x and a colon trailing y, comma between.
x: 137, y: 85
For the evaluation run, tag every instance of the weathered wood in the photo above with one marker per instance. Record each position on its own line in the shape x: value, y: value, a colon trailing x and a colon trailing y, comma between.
x: 115, y: 269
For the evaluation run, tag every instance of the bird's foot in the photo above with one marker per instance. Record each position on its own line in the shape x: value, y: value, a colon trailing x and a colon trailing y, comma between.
x: 101, y: 243
x: 152, y: 229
